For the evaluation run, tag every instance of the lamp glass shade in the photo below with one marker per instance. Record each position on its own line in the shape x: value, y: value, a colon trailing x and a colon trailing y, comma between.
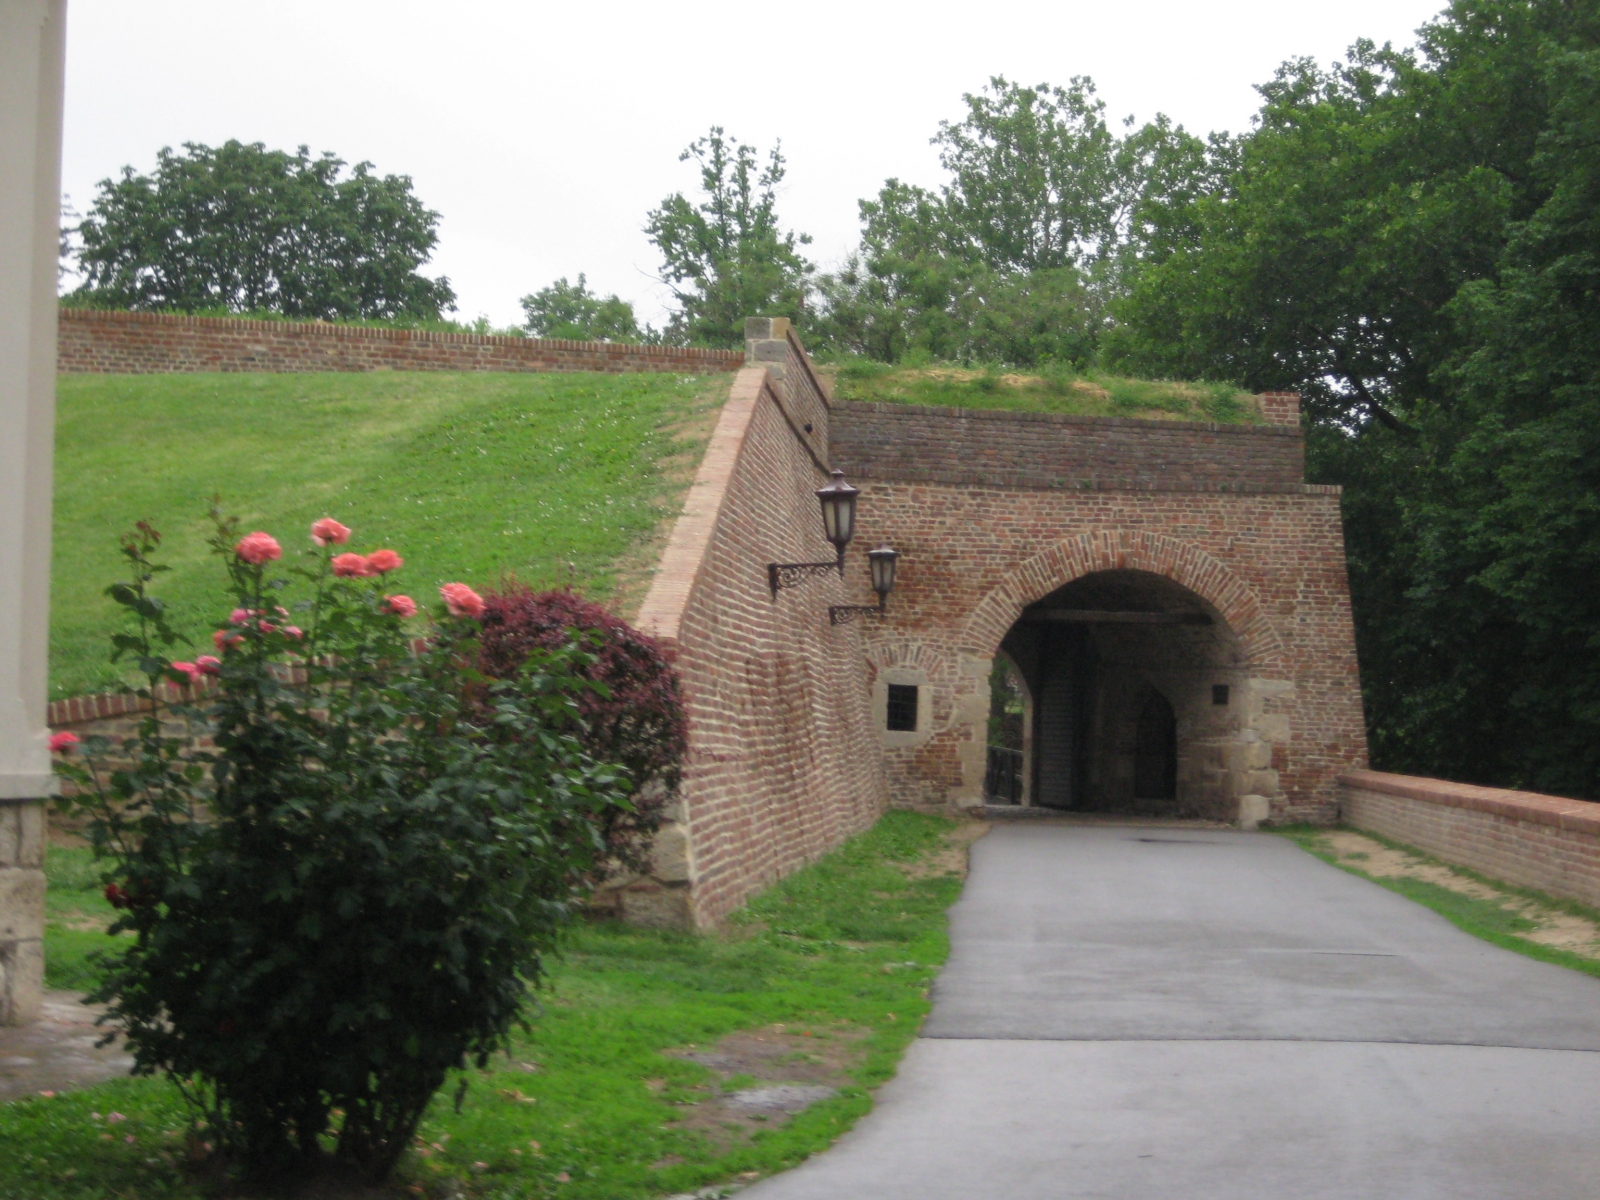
x: 882, y: 561
x: 838, y: 500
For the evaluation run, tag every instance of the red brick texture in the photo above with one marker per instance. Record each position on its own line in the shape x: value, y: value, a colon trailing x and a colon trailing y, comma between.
x: 1045, y: 450
x: 1268, y: 560
x: 91, y: 342
x: 1524, y: 838
x: 783, y: 762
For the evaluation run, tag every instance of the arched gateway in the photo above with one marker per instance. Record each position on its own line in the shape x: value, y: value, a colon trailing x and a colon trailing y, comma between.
x: 1166, y: 602
x: 1169, y: 598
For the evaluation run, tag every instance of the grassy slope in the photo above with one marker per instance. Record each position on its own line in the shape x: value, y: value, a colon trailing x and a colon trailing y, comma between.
x: 466, y: 475
x: 842, y: 951
x: 1056, y: 390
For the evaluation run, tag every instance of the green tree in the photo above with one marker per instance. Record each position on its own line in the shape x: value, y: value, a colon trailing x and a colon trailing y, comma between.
x: 571, y: 310
x: 1016, y: 255
x: 244, y: 228
x: 1408, y: 239
x: 727, y: 258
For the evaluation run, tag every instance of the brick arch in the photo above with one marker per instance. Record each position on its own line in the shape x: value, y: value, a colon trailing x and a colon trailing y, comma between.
x: 1129, y: 550
x: 910, y: 652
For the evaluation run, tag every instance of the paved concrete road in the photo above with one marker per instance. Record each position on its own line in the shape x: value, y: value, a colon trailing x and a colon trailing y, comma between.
x: 1158, y: 1012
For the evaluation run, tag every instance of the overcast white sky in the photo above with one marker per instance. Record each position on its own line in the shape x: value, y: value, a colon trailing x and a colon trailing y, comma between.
x: 543, y: 133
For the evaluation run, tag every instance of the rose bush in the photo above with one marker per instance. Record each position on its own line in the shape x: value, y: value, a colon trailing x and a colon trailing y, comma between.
x: 348, y: 894
x: 633, y: 716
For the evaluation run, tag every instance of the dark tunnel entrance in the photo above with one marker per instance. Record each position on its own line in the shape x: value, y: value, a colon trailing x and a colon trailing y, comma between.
x: 1116, y: 694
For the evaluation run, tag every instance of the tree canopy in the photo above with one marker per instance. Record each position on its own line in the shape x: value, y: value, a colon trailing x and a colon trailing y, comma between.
x: 246, y: 229
x: 571, y: 310
x: 726, y: 257
x: 1015, y: 257
x: 1411, y: 239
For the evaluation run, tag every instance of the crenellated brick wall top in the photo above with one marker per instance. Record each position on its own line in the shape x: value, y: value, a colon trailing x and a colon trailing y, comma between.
x: 1577, y: 816
x: 139, y: 343
x: 999, y: 448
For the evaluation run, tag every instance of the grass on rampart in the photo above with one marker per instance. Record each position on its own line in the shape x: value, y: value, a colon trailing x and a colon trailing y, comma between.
x: 554, y: 477
x: 1052, y: 390
x: 823, y: 979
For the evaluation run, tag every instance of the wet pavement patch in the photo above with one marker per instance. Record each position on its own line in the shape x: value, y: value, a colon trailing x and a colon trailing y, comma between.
x: 59, y: 1051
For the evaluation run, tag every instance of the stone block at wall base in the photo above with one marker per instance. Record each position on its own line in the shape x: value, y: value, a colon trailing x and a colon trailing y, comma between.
x: 1253, y: 810
x: 21, y: 910
x: 21, y: 981
x: 656, y: 905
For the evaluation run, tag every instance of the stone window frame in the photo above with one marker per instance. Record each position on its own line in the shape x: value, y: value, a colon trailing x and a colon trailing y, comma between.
x: 906, y: 676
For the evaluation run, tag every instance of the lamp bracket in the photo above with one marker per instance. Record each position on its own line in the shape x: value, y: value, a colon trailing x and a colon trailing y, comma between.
x: 843, y: 614
x: 782, y: 575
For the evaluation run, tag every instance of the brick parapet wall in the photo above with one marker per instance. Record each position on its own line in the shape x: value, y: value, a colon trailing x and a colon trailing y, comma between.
x: 988, y: 448
x: 1523, y: 838
x: 782, y: 761
x: 94, y: 342
x: 1280, y: 408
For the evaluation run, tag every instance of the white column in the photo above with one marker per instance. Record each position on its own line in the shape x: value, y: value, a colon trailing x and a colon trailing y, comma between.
x: 32, y: 67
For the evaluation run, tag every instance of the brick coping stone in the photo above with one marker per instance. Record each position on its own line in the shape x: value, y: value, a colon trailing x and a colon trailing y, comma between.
x: 1576, y: 816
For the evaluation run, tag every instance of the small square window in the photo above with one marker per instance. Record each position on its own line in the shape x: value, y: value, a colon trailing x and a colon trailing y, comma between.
x: 1219, y: 693
x: 902, y: 708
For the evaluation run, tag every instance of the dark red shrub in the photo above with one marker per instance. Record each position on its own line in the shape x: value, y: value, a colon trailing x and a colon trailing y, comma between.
x: 638, y: 723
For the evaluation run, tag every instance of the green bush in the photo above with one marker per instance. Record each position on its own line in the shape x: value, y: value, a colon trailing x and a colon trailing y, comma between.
x: 348, y: 894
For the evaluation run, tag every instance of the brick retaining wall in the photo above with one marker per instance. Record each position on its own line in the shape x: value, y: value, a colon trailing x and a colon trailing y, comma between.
x: 138, y: 343
x: 1020, y: 449
x: 1524, y: 838
x: 783, y: 762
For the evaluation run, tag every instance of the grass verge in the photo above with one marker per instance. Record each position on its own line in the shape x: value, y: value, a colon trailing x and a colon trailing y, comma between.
x: 1053, y: 390
x: 554, y: 477
x: 626, y: 1086
x: 76, y: 917
x: 1502, y: 914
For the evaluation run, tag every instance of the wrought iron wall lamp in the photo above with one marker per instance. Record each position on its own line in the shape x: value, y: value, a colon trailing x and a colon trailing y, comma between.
x: 882, y: 561
x: 838, y: 500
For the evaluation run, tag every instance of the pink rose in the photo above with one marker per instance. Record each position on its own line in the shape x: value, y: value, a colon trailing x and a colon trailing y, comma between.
x: 461, y: 600
x: 240, y: 616
x: 257, y: 548
x: 61, y: 743
x: 400, y: 606
x: 222, y: 639
x: 384, y: 561
x: 328, y: 531
x: 190, y: 669
x: 209, y: 664
x: 293, y: 631
x: 351, y: 566
x: 268, y: 627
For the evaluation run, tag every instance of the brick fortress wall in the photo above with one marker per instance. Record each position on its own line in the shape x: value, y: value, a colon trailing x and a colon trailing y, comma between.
x: 136, y: 343
x: 1523, y: 838
x: 782, y: 760
x: 994, y: 511
x: 1050, y: 450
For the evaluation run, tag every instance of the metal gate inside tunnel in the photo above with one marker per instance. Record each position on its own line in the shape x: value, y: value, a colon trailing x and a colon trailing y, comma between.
x: 1116, y: 694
